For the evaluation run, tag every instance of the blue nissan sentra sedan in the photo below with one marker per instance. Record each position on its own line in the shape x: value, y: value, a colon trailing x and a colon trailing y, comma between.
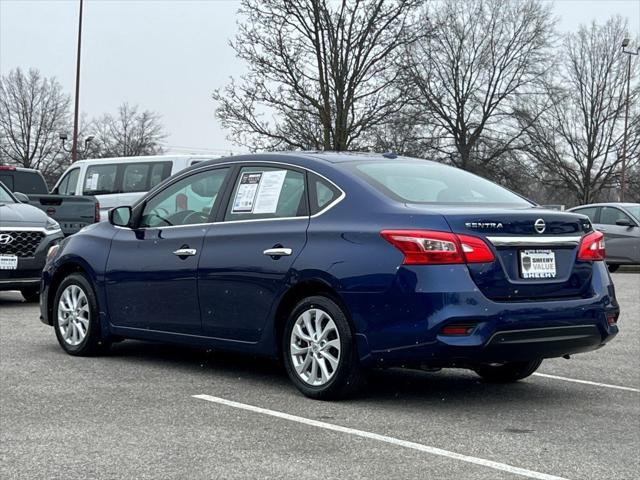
x: 337, y: 263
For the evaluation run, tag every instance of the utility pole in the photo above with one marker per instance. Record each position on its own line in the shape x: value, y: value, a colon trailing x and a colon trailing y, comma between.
x: 74, y: 144
x: 623, y: 172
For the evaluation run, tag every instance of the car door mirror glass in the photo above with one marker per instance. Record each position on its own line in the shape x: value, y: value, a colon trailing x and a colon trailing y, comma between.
x: 120, y: 216
x: 21, y: 197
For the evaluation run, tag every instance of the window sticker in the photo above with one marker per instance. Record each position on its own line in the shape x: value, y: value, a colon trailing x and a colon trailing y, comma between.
x: 269, y: 191
x: 246, y: 194
x: 91, y: 183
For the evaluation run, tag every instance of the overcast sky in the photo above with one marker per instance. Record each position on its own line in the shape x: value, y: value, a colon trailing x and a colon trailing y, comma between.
x: 167, y: 55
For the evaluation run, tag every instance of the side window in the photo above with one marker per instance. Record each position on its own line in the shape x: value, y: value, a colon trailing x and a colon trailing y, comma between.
x: 100, y: 180
x: 159, y: 171
x: 610, y: 215
x: 67, y: 185
x: 134, y: 178
x: 187, y: 202
x: 589, y: 212
x: 265, y: 192
x: 322, y: 193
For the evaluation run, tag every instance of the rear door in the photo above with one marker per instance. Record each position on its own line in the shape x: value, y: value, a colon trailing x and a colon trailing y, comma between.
x: 248, y: 254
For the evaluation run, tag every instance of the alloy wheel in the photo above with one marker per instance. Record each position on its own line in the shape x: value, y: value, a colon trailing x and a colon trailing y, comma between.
x: 73, y: 315
x: 315, y: 347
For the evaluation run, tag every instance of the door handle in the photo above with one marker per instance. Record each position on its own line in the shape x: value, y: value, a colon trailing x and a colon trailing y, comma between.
x: 185, y: 252
x: 278, y: 252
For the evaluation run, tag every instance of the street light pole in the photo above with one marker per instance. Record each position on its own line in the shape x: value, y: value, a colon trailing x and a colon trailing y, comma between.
x: 623, y: 172
x: 74, y: 144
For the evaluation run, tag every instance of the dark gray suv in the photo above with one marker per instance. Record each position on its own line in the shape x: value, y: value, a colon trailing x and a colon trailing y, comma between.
x: 620, y: 223
x: 26, y: 233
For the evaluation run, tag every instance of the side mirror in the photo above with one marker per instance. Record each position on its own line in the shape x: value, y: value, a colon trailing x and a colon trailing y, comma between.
x: 21, y: 197
x: 120, y: 216
x: 624, y: 222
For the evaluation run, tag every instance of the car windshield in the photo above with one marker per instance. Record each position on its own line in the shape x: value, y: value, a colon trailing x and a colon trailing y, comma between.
x: 633, y: 210
x: 5, y: 196
x: 416, y: 181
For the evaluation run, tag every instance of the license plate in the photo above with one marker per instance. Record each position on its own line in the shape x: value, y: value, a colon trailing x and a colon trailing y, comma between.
x: 537, y: 264
x: 8, y: 262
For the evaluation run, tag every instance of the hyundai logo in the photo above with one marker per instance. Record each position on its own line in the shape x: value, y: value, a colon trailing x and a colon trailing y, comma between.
x: 5, y: 239
x: 539, y: 225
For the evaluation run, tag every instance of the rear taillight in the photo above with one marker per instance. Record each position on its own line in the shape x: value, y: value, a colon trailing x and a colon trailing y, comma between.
x: 423, y: 247
x: 10, y: 168
x: 97, y: 215
x: 591, y: 247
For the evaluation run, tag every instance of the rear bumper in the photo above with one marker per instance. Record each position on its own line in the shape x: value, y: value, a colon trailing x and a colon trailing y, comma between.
x: 405, y: 327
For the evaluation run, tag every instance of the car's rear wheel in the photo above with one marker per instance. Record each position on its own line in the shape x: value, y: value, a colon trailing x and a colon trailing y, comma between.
x: 75, y: 317
x: 31, y: 294
x: 319, y: 349
x: 507, y: 372
x: 613, y: 268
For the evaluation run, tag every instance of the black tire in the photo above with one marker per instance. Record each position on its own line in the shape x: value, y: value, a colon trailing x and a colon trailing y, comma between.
x: 92, y: 344
x: 31, y: 294
x: 507, y: 372
x: 613, y: 268
x: 347, y: 378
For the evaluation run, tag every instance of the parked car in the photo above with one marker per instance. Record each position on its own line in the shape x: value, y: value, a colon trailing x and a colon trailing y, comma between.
x: 71, y: 212
x: 337, y: 263
x: 121, y: 180
x: 620, y: 223
x: 26, y: 234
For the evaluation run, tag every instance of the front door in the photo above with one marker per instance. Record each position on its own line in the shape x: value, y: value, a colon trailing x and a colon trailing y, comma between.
x: 247, y: 257
x: 622, y: 242
x: 152, y: 271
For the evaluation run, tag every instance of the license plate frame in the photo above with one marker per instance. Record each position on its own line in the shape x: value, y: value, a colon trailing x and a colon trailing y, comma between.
x: 8, y: 262
x: 537, y: 264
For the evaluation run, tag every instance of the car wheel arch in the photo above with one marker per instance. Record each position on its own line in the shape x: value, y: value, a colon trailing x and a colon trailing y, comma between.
x: 296, y: 293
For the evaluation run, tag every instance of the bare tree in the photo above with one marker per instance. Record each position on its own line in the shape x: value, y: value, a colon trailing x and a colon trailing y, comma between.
x: 475, y: 73
x: 33, y: 110
x: 579, y: 140
x: 320, y: 75
x: 130, y: 133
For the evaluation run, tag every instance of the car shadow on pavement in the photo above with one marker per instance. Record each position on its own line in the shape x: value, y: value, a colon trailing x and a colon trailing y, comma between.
x: 414, y: 388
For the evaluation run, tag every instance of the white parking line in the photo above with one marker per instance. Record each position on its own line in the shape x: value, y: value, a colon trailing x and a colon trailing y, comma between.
x: 587, y: 382
x: 383, y: 438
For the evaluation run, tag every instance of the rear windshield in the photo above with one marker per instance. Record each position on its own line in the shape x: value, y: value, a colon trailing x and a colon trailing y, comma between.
x: 24, y: 182
x: 426, y: 182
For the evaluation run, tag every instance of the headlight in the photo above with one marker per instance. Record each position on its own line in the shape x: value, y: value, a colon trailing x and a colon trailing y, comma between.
x: 52, y: 225
x: 52, y: 251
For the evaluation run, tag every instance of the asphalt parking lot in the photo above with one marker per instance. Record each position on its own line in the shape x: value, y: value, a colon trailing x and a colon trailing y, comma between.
x: 152, y: 411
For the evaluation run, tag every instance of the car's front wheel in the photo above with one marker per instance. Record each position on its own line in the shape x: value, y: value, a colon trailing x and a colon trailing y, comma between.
x: 507, y: 372
x: 75, y: 317
x: 319, y: 350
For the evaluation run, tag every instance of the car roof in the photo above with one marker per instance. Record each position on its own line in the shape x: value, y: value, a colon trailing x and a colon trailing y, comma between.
x: 144, y: 158
x: 311, y: 158
x: 606, y: 204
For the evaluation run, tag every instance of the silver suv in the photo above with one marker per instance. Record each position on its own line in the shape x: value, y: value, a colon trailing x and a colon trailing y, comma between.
x: 620, y: 223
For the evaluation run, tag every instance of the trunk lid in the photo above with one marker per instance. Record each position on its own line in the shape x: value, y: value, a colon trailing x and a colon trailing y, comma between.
x: 535, y: 250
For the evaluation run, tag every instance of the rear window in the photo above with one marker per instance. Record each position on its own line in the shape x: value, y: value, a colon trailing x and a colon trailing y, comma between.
x: 124, y: 177
x: 24, y: 182
x: 426, y: 182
